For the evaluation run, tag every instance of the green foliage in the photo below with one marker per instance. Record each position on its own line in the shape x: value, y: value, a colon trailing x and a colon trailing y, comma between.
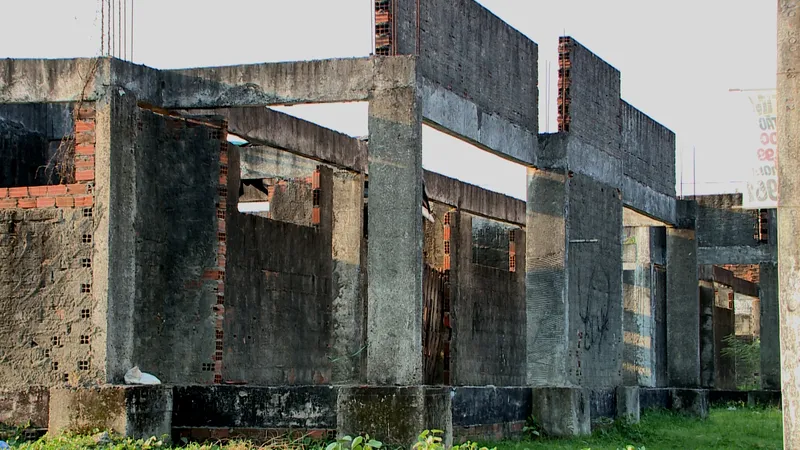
x: 746, y: 357
x: 532, y: 429
x: 432, y: 440
x: 357, y: 443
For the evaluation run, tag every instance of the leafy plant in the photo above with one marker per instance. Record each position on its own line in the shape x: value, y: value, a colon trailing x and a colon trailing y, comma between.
x: 532, y: 429
x: 746, y: 357
x: 357, y: 443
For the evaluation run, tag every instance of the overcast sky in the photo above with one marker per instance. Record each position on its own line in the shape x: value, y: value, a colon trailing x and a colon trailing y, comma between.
x: 678, y: 59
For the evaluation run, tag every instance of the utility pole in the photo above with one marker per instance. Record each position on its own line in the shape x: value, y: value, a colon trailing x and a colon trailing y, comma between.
x: 789, y: 215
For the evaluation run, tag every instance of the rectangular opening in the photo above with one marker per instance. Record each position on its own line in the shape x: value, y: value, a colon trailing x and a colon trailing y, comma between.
x: 493, y: 244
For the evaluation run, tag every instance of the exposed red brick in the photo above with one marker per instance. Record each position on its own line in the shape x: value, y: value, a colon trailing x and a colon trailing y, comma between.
x: 27, y: 203
x: 77, y: 188
x: 212, y: 275
x: 65, y: 202
x: 84, y: 125
x: 84, y: 137
x: 45, y: 202
x: 37, y: 190
x: 84, y: 149
x: 84, y: 200
x: 18, y: 192
x: 8, y: 203
x: 223, y: 180
x: 58, y: 189
x: 3, y: 192
x: 84, y: 175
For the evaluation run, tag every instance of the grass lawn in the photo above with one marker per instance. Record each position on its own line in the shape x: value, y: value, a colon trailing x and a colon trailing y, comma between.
x: 724, y: 429
x: 743, y: 428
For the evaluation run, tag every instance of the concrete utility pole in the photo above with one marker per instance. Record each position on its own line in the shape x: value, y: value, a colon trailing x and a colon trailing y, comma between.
x: 789, y: 215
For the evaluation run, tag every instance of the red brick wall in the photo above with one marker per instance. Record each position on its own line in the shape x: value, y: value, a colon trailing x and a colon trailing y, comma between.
x: 74, y: 195
x: 749, y: 272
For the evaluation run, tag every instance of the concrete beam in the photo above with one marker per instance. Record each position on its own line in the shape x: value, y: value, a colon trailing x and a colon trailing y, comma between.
x: 51, y: 80
x: 453, y: 114
x: 739, y: 254
x: 261, y: 125
x: 474, y: 199
x: 321, y: 81
x: 649, y: 201
x: 726, y: 277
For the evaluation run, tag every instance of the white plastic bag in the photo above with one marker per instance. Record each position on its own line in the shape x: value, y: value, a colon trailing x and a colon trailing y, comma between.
x: 136, y: 376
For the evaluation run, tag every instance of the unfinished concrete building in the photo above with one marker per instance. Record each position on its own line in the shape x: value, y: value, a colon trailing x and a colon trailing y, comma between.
x: 127, y: 239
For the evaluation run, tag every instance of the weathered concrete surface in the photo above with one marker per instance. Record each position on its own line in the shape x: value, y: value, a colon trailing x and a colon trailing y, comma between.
x: 562, y: 412
x: 628, y: 403
x: 789, y: 217
x: 176, y: 229
x: 727, y: 278
x: 263, y: 126
x: 25, y: 406
x: 595, y: 283
x: 40, y: 283
x: 694, y: 402
x: 50, y: 80
x: 648, y: 151
x: 499, y: 407
x: 644, y: 303
x: 115, y: 241
x: 464, y: 48
x: 473, y: 199
x: 277, y: 273
x: 708, y: 361
x: 738, y: 254
x: 261, y: 161
x: 547, y: 305
x: 488, y: 329
x: 394, y: 330
x: 347, y: 307
x: 255, y: 407
x: 395, y: 415
x: 322, y: 81
x: 135, y: 411
x: 683, y: 309
x: 770, y: 327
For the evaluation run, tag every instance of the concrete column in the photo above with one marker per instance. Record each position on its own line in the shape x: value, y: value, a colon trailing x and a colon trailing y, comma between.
x: 348, y: 333
x: 394, y: 324
x: 770, y: 327
x: 638, y: 368
x: 708, y: 367
x: 547, y: 305
x: 789, y: 215
x: 683, y: 309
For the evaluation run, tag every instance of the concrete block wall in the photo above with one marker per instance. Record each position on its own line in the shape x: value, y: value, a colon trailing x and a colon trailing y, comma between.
x: 48, y: 249
x: 648, y: 151
x: 722, y: 223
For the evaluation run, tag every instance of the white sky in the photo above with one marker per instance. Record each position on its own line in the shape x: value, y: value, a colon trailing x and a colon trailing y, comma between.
x: 678, y: 59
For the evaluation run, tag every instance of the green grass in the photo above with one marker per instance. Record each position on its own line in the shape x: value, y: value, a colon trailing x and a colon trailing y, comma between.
x: 744, y: 428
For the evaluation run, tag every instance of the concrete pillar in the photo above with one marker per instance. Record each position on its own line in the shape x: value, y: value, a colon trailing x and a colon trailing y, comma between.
x: 547, y: 305
x: 708, y: 368
x: 789, y: 215
x: 346, y: 231
x: 394, y: 328
x: 683, y: 309
x: 770, y: 327
x: 562, y: 411
x: 639, y: 365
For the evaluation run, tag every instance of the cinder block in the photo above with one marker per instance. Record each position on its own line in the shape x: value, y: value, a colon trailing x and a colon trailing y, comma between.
x: 562, y: 411
x: 628, y: 403
x: 135, y: 411
x: 690, y: 401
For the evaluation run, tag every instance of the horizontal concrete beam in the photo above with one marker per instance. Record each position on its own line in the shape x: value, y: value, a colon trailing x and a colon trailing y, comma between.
x: 451, y: 113
x: 321, y: 81
x: 726, y: 277
x: 474, y: 199
x: 736, y: 255
x: 649, y: 201
x: 261, y: 125
x: 50, y: 80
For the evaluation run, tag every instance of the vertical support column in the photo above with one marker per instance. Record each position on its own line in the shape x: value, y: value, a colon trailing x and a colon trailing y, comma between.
x: 394, y: 326
x: 348, y: 335
x: 770, y: 327
x: 789, y: 215
x: 113, y: 260
x: 547, y: 305
x: 708, y: 369
x: 639, y: 366
x: 683, y: 309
